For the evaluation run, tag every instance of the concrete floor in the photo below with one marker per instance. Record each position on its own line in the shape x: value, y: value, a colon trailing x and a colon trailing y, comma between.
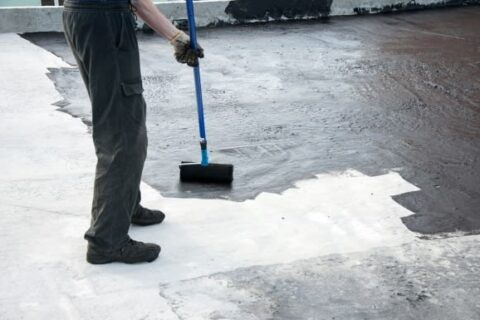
x: 356, y: 145
x: 288, y: 101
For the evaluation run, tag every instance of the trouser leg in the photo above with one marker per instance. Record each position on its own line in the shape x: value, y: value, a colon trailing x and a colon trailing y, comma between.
x: 105, y: 46
x: 137, y: 203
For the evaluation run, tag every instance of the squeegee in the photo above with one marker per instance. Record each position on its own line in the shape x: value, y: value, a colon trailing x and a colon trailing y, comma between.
x: 203, y: 172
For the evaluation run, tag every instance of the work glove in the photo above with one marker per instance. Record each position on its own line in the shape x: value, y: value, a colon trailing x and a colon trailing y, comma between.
x: 183, y: 50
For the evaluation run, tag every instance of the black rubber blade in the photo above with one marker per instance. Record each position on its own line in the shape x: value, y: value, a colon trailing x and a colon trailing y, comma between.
x: 213, y: 173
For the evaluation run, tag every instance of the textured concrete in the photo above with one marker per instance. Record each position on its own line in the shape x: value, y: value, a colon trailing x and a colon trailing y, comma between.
x: 372, y: 94
x: 421, y: 280
x: 356, y: 143
x: 350, y: 7
x: 49, y: 19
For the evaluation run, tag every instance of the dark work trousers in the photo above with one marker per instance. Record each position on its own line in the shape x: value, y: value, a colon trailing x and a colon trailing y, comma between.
x: 102, y: 37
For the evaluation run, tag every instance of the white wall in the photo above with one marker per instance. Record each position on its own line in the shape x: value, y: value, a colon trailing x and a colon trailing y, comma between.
x: 19, y: 3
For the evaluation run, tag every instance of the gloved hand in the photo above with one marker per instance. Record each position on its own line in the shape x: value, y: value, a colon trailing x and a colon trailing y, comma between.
x: 183, y: 50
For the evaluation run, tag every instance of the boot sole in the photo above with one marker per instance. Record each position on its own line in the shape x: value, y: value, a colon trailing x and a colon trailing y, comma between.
x: 147, y: 223
x: 98, y: 259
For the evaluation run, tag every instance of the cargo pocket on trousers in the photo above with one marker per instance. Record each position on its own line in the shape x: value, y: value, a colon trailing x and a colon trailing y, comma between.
x: 134, y: 102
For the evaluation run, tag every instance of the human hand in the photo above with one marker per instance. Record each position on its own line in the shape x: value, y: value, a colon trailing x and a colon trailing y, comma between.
x: 183, y: 50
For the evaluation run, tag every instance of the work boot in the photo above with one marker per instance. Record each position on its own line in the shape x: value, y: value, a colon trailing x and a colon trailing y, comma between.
x: 132, y: 252
x: 147, y: 217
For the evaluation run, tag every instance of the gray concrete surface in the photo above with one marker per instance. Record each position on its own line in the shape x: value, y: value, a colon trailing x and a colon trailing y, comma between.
x: 220, y: 12
x: 49, y: 19
x: 395, y: 97
x: 287, y: 101
x: 414, y: 281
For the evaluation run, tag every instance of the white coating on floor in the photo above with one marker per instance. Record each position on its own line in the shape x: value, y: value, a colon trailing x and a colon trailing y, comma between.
x: 45, y: 194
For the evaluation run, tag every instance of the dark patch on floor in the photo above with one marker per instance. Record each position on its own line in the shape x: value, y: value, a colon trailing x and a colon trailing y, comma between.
x: 287, y: 101
x: 414, y: 281
x: 412, y: 5
x: 55, y: 43
x: 263, y: 10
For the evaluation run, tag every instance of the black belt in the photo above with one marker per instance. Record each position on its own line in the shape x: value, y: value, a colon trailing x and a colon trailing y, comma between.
x: 97, y: 4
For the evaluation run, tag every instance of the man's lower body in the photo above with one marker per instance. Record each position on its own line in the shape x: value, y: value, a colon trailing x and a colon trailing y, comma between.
x: 103, y: 40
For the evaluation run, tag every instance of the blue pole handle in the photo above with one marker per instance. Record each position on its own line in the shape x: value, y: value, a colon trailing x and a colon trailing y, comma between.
x: 198, y: 83
x: 192, y: 28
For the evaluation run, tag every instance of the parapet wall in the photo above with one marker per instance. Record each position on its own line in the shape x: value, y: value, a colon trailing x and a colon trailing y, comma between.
x: 215, y: 12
